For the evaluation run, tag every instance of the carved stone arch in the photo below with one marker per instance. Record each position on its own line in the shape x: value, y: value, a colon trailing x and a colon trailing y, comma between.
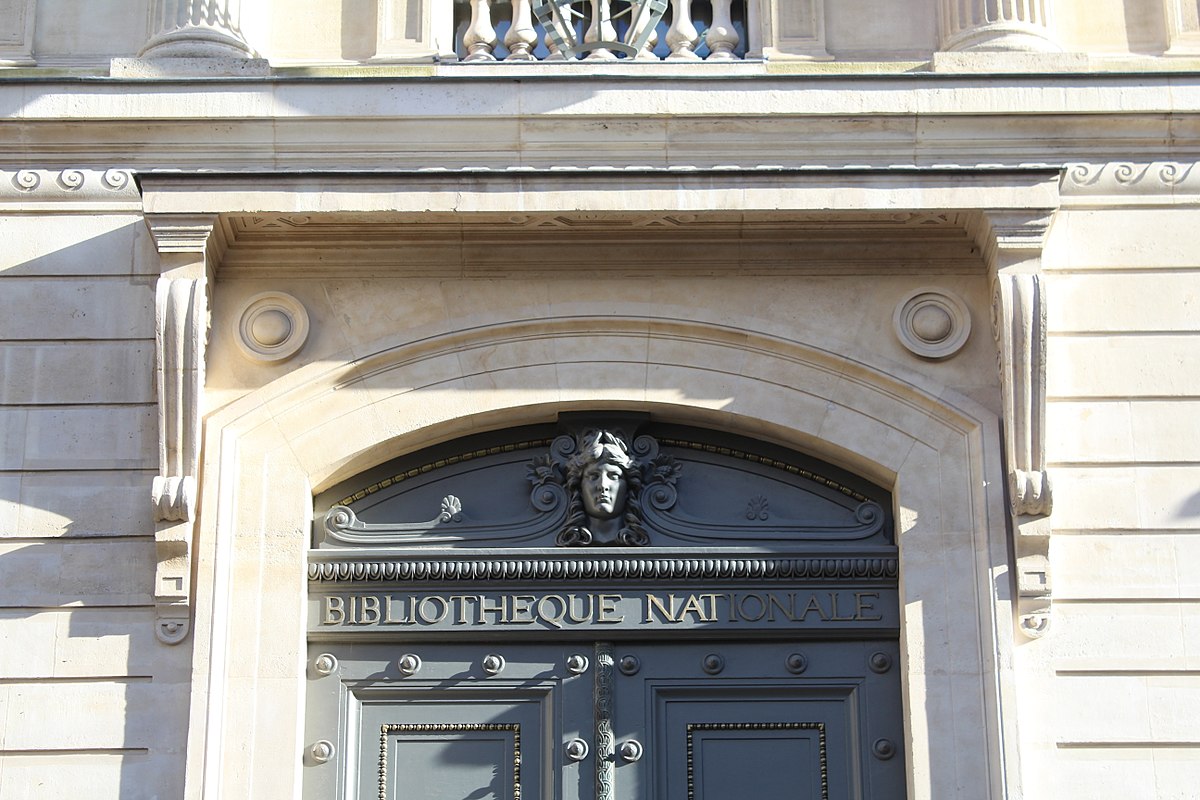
x: 268, y: 453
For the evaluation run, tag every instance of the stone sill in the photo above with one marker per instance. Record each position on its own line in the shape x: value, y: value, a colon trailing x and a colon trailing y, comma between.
x: 943, y: 65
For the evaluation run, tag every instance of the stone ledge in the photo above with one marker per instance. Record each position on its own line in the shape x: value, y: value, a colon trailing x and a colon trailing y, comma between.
x: 189, y: 68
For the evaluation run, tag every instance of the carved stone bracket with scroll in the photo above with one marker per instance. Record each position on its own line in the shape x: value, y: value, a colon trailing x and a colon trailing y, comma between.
x: 181, y: 334
x: 1012, y: 245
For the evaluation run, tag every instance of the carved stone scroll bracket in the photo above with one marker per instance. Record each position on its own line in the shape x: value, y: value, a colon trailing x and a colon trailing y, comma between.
x: 181, y: 335
x: 1033, y: 576
x: 1012, y: 246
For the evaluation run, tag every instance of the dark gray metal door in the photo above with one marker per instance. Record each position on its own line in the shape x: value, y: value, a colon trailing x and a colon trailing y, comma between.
x: 770, y: 721
x: 716, y: 720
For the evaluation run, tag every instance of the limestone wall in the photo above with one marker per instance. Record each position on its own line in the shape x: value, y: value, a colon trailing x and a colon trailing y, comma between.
x: 90, y: 704
x: 1110, y: 694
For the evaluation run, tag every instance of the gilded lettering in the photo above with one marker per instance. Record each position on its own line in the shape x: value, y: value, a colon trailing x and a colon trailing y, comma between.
x: 788, y: 610
x: 335, y: 611
x: 695, y: 605
x: 608, y: 607
x: 833, y: 602
x: 741, y: 607
x: 587, y: 606
x: 813, y: 605
x: 390, y: 616
x: 460, y: 600
x: 369, y: 610
x: 862, y: 605
x: 438, y: 616
x: 487, y: 607
x: 522, y: 609
x: 552, y: 616
x: 665, y: 610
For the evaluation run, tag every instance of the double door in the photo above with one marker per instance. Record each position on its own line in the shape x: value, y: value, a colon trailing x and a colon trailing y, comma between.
x: 719, y: 719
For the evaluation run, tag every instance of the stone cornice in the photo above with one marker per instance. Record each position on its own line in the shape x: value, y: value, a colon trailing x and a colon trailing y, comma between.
x: 484, y: 122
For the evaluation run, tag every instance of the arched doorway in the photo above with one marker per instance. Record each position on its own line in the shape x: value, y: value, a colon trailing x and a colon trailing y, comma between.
x: 270, y: 452
x: 606, y: 607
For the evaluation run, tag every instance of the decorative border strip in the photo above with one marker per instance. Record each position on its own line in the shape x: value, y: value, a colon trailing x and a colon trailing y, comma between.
x: 627, y: 568
x: 602, y: 697
x: 80, y: 185
x: 385, y: 729
x: 1167, y: 179
x: 755, y: 726
x: 529, y: 445
x: 442, y: 462
x: 767, y: 462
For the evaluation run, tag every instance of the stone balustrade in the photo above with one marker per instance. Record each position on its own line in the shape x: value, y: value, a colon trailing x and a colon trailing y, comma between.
x: 689, y: 30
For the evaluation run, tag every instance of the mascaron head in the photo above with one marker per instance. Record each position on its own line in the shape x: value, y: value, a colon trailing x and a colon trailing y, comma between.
x: 601, y: 466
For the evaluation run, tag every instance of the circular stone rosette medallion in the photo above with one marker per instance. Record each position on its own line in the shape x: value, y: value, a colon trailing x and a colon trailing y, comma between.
x: 932, y: 324
x: 273, y: 326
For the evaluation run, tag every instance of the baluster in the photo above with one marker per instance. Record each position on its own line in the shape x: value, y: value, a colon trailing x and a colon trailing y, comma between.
x: 567, y: 34
x: 647, y: 50
x: 521, y: 36
x: 480, y: 36
x: 554, y: 53
x: 682, y: 36
x: 721, y: 36
x: 601, y: 29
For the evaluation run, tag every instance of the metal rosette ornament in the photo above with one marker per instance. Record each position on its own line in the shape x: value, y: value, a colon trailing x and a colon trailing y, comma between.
x: 560, y: 18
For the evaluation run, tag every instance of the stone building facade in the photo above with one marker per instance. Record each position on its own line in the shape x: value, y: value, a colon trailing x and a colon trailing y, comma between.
x: 257, y: 253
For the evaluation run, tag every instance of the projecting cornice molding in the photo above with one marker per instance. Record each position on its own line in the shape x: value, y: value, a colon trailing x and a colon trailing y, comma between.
x: 1173, y: 182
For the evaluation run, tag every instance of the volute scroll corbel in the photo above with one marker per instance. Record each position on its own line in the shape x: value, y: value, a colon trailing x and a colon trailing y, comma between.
x: 1012, y: 243
x: 181, y: 335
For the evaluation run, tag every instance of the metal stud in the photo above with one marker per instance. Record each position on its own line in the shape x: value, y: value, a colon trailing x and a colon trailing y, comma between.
x: 321, y: 751
x: 883, y: 749
x: 325, y: 664
x: 880, y: 662
x: 408, y: 664
x: 631, y: 750
x: 629, y: 665
x: 492, y: 664
x: 576, y: 750
x: 713, y: 663
x: 577, y: 664
x: 797, y: 663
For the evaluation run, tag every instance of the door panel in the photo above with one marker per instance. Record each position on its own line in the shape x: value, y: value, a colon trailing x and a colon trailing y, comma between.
x: 453, y: 722
x: 726, y: 721
x: 710, y: 720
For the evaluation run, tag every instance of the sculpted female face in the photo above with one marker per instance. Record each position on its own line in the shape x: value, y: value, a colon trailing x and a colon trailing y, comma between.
x: 603, y: 488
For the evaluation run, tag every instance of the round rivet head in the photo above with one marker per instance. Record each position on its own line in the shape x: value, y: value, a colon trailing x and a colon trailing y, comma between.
x: 325, y: 664
x: 883, y: 749
x: 576, y: 750
x: 492, y: 664
x: 631, y: 750
x: 713, y: 663
x: 880, y: 662
x: 321, y: 751
x: 796, y: 663
x: 629, y: 665
x: 408, y: 664
x: 577, y: 664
